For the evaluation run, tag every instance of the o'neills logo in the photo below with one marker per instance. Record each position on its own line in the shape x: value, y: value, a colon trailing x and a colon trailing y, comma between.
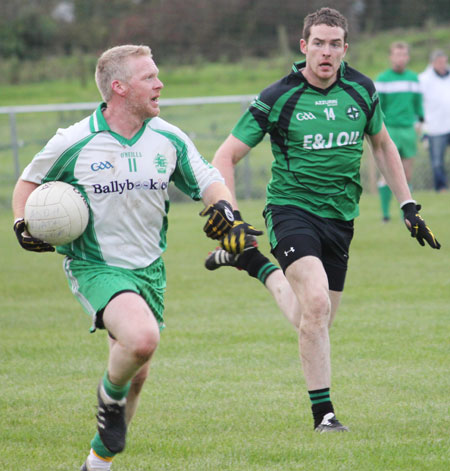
x: 120, y: 187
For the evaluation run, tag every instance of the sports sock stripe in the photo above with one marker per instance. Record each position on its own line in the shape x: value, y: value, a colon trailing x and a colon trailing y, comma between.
x: 265, y: 271
x: 319, y: 396
x: 320, y: 404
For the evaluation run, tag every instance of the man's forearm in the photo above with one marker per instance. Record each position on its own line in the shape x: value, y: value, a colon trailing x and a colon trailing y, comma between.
x: 21, y: 193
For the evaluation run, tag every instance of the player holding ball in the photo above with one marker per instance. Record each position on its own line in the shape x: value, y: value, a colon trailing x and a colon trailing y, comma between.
x: 121, y: 159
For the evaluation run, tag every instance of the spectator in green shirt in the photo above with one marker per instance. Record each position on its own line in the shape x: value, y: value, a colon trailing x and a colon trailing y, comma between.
x: 401, y: 103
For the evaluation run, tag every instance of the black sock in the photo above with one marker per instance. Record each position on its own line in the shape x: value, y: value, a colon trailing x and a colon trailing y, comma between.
x: 256, y: 264
x: 321, y: 404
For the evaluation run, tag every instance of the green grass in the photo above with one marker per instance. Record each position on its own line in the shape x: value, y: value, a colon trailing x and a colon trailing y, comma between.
x: 226, y: 390
x: 246, y: 77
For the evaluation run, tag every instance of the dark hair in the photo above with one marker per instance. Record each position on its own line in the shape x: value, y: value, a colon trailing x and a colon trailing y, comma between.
x: 324, y: 16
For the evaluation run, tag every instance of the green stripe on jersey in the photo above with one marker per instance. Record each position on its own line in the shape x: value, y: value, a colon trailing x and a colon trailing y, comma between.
x: 400, y: 97
x: 64, y: 169
x: 183, y: 176
x: 262, y: 106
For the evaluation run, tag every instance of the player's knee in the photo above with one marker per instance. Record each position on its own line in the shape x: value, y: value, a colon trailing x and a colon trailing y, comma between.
x: 317, y: 312
x: 145, y: 344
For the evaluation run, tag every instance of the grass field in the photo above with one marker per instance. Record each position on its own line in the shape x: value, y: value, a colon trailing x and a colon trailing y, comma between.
x: 226, y: 390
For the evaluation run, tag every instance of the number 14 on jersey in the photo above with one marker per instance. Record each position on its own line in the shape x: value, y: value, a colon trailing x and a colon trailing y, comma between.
x: 330, y: 114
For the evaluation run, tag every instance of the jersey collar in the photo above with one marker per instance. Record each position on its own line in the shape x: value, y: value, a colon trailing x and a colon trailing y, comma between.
x: 296, y: 69
x: 97, y: 123
x: 296, y: 66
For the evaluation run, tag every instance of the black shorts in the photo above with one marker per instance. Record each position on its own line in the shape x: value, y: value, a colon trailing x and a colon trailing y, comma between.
x: 295, y: 233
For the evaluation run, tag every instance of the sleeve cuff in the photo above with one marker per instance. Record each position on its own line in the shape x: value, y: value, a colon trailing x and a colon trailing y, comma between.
x: 406, y: 202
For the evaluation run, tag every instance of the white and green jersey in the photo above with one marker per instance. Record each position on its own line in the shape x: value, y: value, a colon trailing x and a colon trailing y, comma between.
x: 400, y: 98
x: 317, y: 139
x: 125, y: 182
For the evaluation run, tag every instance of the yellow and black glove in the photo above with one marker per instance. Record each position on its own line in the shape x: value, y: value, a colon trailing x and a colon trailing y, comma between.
x: 237, y: 238
x: 416, y: 225
x: 27, y: 241
x: 220, y: 219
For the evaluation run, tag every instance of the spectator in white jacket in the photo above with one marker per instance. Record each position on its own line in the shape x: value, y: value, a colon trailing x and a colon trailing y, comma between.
x: 435, y: 83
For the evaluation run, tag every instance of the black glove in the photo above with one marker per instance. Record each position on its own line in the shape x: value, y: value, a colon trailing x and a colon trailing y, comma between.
x: 234, y: 241
x: 416, y: 225
x: 220, y: 219
x: 27, y: 241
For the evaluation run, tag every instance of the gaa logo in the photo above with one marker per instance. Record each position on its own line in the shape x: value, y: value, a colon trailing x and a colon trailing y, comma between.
x: 304, y: 115
x: 96, y: 166
x: 353, y: 113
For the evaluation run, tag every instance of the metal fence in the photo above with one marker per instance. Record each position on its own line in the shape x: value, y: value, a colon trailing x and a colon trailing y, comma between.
x: 13, y: 111
x: 24, y: 130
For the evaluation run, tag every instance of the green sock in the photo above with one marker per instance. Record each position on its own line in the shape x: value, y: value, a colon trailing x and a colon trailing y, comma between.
x: 385, y: 196
x: 99, y: 448
x: 320, y: 404
x: 115, y: 391
x: 256, y: 264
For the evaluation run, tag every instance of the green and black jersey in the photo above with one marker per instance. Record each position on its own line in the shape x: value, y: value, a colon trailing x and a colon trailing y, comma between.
x: 317, y: 139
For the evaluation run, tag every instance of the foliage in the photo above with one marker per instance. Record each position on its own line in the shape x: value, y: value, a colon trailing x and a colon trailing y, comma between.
x: 183, y: 30
x: 367, y: 52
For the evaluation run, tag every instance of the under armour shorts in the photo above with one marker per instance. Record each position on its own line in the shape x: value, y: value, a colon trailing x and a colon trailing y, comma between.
x: 295, y: 233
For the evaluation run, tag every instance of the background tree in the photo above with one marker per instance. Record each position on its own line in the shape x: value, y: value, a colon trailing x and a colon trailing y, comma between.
x: 185, y: 30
